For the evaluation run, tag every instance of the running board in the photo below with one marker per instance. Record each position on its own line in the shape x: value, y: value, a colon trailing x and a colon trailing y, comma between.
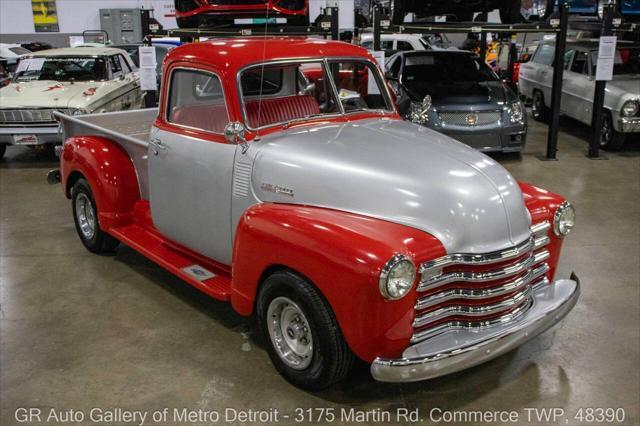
x: 204, y: 276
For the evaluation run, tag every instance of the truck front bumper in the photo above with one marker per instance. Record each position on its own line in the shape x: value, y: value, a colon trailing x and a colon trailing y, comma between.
x: 463, y: 348
x: 30, y: 135
x: 629, y: 124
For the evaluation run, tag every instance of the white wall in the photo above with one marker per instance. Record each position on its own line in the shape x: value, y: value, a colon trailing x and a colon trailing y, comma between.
x: 75, y: 16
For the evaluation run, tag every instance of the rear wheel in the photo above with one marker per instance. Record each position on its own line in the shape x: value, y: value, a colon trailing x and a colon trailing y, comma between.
x: 539, y: 110
x: 85, y: 215
x: 3, y: 149
x: 302, y: 335
x: 610, y: 140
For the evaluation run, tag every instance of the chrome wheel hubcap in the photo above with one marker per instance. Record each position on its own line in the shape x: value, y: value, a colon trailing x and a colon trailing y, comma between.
x: 290, y: 333
x: 535, y: 107
x: 86, y: 216
x: 605, y: 134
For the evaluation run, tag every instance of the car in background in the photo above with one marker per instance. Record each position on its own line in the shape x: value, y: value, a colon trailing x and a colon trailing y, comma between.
x: 10, y: 54
x: 161, y: 52
x: 463, y: 10
x: 71, y: 80
x: 456, y: 93
x: 35, y: 46
x: 404, y: 42
x: 622, y: 97
x: 195, y: 13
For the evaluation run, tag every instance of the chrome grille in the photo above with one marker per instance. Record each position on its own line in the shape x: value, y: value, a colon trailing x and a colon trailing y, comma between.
x: 469, y: 118
x: 22, y: 117
x: 480, y: 290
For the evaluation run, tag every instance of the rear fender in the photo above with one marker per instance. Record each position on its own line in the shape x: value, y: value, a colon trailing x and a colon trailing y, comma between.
x: 342, y: 255
x: 110, y: 173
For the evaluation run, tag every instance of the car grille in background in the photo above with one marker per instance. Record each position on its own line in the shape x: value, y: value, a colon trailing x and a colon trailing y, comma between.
x: 469, y: 118
x: 480, y: 290
x: 23, y: 117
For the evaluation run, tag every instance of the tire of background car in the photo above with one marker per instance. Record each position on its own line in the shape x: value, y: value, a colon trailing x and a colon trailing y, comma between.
x: 539, y: 110
x: 85, y: 216
x: 610, y: 140
x: 303, y: 338
x: 510, y: 12
x: 397, y: 12
x: 3, y: 149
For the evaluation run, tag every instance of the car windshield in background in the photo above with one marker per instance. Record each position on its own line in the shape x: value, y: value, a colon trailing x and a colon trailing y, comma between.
x: 449, y: 68
x: 19, y: 50
x: 626, y: 62
x: 281, y: 93
x: 61, y: 69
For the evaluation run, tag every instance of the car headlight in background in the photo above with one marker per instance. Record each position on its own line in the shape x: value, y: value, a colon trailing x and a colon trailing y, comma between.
x: 516, y: 113
x: 564, y: 219
x: 630, y: 108
x: 397, y: 277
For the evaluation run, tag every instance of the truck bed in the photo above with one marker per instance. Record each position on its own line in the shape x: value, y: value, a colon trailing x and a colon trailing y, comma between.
x: 129, y: 129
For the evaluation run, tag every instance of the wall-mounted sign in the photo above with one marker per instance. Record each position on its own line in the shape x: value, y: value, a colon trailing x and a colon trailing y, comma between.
x: 45, y: 16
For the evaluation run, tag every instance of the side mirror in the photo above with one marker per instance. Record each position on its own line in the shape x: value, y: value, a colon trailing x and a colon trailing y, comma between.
x: 389, y: 76
x: 235, y: 133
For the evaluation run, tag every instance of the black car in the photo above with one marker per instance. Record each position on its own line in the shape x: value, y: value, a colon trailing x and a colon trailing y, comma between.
x: 454, y: 92
x: 462, y: 10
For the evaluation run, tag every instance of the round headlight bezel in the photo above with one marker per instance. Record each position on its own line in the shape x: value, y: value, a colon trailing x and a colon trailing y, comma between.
x: 561, y: 214
x: 387, y: 273
x: 632, y: 103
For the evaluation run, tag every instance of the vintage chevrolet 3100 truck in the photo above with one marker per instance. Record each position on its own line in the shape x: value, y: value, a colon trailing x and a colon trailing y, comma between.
x: 347, y: 231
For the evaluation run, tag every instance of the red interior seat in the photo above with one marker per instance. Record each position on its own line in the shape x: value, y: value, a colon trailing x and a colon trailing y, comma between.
x: 212, y: 118
x: 278, y: 110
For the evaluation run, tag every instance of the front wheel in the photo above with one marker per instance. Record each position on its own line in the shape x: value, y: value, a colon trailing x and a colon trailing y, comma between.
x: 610, y: 140
x: 539, y: 110
x: 85, y: 215
x: 303, y: 338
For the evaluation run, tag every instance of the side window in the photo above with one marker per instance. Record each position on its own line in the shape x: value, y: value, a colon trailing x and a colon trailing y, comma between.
x: 579, y: 64
x: 544, y: 54
x: 394, y: 66
x: 116, y: 69
x: 567, y: 58
x: 367, y: 45
x: 386, y: 44
x: 124, y: 65
x: 196, y: 100
x: 404, y: 45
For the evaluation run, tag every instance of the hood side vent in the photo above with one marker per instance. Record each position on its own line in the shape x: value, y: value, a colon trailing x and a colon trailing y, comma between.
x: 242, y: 179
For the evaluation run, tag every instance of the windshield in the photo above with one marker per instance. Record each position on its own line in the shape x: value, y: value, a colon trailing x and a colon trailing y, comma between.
x: 281, y: 93
x: 61, y: 69
x: 626, y: 62
x: 446, y: 69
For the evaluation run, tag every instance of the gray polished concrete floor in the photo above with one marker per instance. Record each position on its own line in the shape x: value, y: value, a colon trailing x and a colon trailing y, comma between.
x: 80, y: 331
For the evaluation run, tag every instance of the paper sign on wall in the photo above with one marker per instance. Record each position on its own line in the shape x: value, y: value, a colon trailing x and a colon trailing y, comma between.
x: 606, y: 58
x: 75, y: 41
x: 372, y: 84
x: 148, y: 73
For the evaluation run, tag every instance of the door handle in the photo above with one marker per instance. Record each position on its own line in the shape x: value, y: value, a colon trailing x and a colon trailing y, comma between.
x: 157, y: 145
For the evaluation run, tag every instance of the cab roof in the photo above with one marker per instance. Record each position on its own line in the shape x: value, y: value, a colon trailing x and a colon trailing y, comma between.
x: 78, y: 52
x: 233, y: 54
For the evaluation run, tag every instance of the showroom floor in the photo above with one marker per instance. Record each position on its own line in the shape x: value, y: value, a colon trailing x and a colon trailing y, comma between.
x: 80, y: 331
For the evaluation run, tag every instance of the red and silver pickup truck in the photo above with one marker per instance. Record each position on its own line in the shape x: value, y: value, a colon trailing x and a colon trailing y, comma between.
x: 312, y: 205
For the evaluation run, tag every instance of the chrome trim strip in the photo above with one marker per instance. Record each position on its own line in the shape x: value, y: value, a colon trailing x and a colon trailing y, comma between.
x: 464, y: 348
x: 478, y: 294
x: 472, y: 311
x: 507, y: 271
x: 541, y: 228
x: 541, y: 241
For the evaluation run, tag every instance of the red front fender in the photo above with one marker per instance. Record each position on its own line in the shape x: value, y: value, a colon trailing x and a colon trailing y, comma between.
x: 110, y: 173
x: 341, y: 254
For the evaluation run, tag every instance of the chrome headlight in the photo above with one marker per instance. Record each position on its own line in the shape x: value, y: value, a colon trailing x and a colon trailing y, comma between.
x: 564, y: 219
x: 397, y: 277
x: 630, y: 108
x: 516, y: 113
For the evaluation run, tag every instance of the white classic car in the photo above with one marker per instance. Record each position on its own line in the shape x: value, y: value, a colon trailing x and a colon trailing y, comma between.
x: 74, y: 81
x: 622, y: 97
